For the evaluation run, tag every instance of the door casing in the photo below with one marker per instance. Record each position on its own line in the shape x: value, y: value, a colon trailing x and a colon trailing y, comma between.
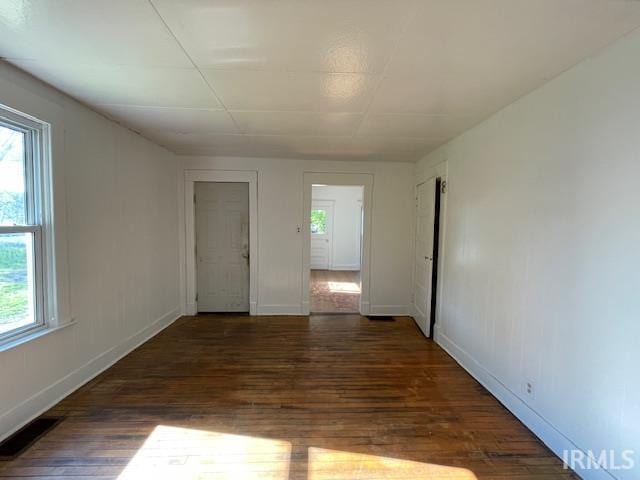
x: 364, y: 180
x: 192, y: 176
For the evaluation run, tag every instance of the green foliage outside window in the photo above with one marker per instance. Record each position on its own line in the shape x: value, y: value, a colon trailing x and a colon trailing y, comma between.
x: 11, y: 207
x: 14, y: 282
x: 318, y: 222
x: 13, y: 279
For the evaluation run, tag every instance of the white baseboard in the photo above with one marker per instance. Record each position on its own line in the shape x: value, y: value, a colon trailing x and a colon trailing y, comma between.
x: 365, y: 307
x: 46, y: 398
x: 306, y: 307
x: 544, y: 430
x: 384, y: 310
x: 280, y: 309
x: 191, y: 309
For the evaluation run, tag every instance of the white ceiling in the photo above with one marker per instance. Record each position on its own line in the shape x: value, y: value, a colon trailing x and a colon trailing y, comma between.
x: 340, y: 79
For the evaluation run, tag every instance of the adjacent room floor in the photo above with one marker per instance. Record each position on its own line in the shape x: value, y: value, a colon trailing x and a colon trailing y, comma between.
x: 334, y: 291
x: 322, y: 397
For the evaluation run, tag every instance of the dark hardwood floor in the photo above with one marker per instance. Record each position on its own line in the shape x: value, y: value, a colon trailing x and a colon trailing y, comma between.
x: 325, y: 397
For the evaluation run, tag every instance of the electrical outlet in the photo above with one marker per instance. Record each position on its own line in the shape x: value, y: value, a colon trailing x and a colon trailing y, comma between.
x: 529, y: 389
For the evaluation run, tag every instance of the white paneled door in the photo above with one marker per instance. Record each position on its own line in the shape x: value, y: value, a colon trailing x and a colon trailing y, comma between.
x: 321, y: 234
x: 222, y: 246
x: 425, y: 219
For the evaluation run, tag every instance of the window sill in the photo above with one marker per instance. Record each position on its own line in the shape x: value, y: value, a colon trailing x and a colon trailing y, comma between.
x: 10, y: 344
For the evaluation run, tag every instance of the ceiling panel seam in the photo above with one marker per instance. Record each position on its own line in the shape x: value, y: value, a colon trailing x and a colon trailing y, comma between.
x: 204, y: 79
x: 410, y: 14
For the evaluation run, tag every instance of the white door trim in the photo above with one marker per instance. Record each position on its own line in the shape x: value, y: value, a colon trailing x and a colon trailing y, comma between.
x: 354, y: 179
x: 192, y: 176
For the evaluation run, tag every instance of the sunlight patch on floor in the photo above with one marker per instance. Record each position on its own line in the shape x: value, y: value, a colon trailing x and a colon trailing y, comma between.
x: 171, y: 453
x: 344, y: 287
x: 189, y: 454
x: 327, y: 464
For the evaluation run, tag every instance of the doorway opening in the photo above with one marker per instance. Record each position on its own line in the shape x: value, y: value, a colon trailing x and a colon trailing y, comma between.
x: 336, y: 248
x: 222, y: 246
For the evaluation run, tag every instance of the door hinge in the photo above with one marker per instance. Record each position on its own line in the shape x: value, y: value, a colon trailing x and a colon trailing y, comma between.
x: 196, y: 297
x: 443, y: 187
x: 194, y: 198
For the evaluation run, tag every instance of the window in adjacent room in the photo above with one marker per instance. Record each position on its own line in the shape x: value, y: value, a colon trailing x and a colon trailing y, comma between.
x: 318, y: 222
x: 24, y: 225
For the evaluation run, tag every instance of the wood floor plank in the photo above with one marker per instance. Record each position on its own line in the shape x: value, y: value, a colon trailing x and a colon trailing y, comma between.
x: 314, y: 398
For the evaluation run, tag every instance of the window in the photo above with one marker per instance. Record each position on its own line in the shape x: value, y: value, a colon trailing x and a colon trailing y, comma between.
x: 23, y: 220
x: 318, y: 222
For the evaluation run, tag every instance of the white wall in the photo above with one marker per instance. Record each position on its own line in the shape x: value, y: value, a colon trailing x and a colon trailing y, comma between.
x: 541, y: 275
x: 280, y: 214
x: 347, y: 219
x: 117, y: 239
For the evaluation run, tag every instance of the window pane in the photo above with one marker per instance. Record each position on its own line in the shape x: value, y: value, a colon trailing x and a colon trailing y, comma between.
x: 16, y: 281
x: 12, y: 178
x: 318, y: 222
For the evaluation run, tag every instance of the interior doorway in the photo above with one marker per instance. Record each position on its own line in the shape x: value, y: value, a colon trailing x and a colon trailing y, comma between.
x: 365, y: 182
x: 335, y: 228
x: 222, y: 246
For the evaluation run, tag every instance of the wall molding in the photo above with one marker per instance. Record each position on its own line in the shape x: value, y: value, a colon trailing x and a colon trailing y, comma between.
x: 542, y: 428
x: 46, y: 398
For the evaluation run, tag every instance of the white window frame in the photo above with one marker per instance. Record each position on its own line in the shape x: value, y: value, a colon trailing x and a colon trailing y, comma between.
x: 38, y: 221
